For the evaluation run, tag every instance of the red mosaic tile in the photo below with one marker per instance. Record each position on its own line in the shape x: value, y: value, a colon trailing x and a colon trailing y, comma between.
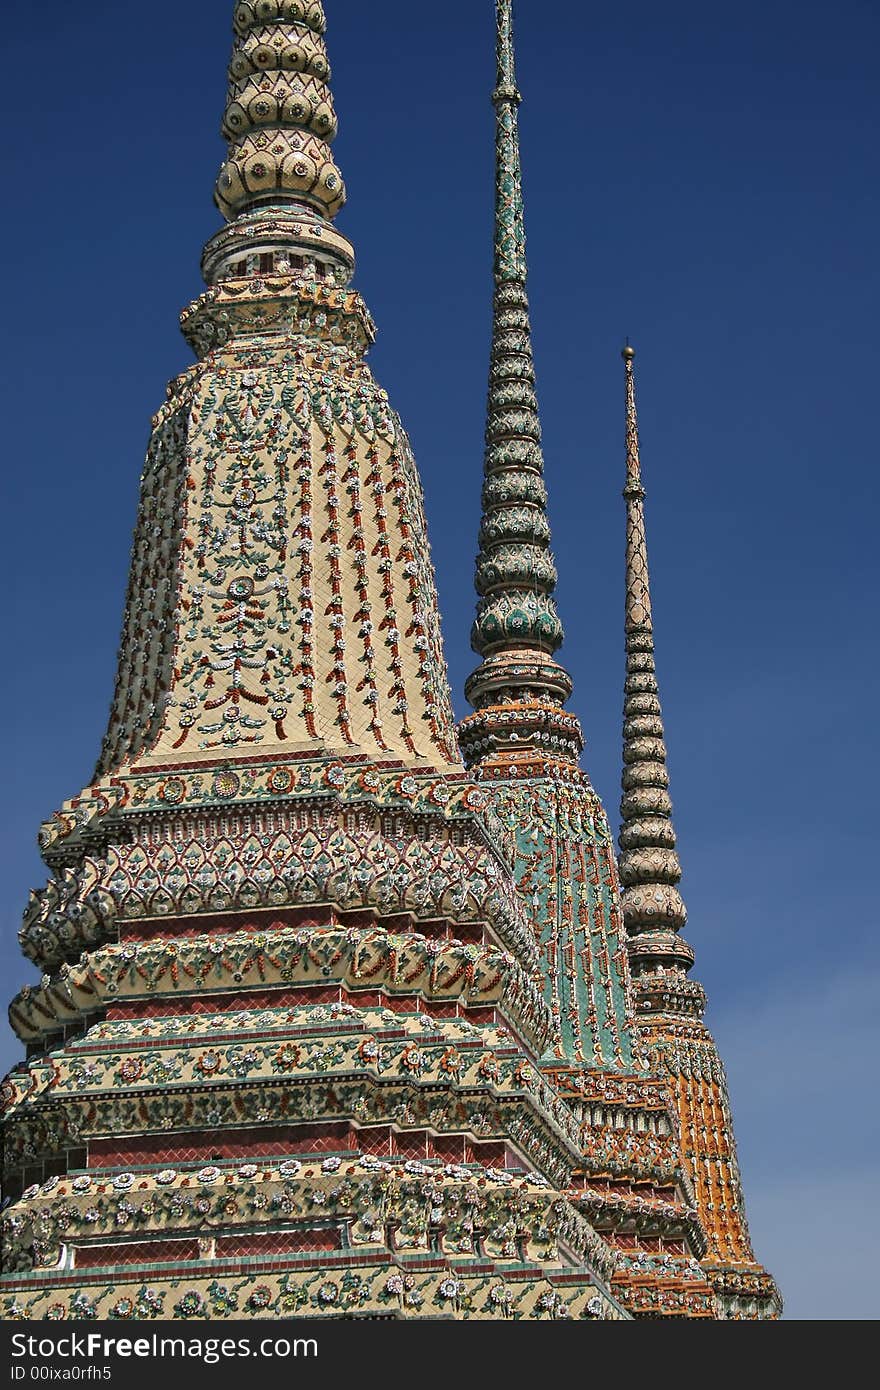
x: 375, y: 1141
x: 196, y: 1147
x: 280, y: 1242
x: 451, y: 1149
x: 493, y: 1154
x: 140, y: 1252
x: 411, y: 1144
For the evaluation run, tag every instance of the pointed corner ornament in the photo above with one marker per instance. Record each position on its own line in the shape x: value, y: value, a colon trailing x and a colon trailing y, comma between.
x: 653, y: 910
x: 519, y: 690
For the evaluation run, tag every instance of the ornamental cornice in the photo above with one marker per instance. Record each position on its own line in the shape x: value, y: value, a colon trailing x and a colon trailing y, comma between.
x: 660, y: 949
x: 351, y: 957
x: 665, y: 993
x: 534, y: 1120
x: 745, y: 1291
x: 259, y: 785
x: 676, y: 1296
x: 514, y: 1215
x: 645, y: 1214
x: 609, y: 1152
x: 306, y: 1019
x: 273, y: 305
x: 387, y: 1289
x: 270, y: 867
x: 471, y: 1065
x: 539, y: 725
x: 47, y: 1125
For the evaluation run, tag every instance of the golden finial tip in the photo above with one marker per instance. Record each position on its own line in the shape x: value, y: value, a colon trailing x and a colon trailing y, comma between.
x: 628, y: 353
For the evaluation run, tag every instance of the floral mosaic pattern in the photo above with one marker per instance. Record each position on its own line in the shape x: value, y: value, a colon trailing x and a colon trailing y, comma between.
x: 351, y: 870
x: 279, y: 119
x: 300, y: 575
x: 330, y: 1292
x: 466, y: 1211
x: 355, y: 958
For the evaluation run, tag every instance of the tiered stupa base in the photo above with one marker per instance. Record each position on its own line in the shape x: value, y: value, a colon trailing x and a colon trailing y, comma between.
x: 284, y: 1061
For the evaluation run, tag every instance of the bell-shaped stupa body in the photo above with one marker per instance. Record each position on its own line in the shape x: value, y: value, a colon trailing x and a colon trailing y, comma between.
x: 282, y: 1060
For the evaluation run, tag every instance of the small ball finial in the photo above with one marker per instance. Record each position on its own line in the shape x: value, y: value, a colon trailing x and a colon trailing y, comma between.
x: 628, y: 352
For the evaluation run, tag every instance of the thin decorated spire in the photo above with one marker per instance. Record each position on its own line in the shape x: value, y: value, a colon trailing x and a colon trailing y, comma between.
x: 669, y: 1006
x: 519, y: 689
x: 510, y: 233
x: 653, y: 909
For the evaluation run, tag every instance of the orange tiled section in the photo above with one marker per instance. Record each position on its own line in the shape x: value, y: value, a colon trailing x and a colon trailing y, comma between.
x: 707, y: 1151
x: 697, y: 1086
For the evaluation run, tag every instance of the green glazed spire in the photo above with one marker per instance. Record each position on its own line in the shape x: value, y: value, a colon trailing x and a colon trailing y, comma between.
x: 510, y: 232
x: 517, y: 628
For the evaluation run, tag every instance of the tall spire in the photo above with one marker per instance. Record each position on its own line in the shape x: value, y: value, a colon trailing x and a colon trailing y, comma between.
x: 519, y: 689
x: 653, y: 910
x: 669, y: 1006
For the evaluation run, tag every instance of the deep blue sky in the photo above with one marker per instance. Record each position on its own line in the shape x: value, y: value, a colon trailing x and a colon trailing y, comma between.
x: 701, y: 178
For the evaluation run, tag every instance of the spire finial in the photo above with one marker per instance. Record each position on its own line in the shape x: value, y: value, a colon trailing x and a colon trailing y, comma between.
x: 279, y: 188
x: 279, y: 119
x: 653, y: 910
x: 505, y: 87
x: 510, y: 235
x: 638, y: 589
x: 519, y: 689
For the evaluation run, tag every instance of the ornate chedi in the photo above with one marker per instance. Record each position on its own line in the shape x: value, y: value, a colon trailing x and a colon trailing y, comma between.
x: 523, y: 746
x: 670, y: 1006
x: 328, y: 1025
x: 283, y: 1057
